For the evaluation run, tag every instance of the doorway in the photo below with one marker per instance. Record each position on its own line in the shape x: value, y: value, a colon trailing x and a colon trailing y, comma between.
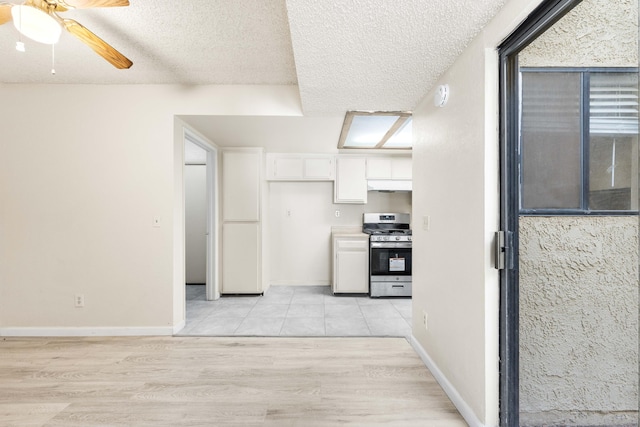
x: 569, y: 215
x: 201, y: 219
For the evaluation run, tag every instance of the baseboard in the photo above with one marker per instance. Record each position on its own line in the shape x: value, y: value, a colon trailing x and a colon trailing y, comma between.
x: 462, y: 406
x: 298, y: 283
x: 87, y: 331
x: 179, y: 326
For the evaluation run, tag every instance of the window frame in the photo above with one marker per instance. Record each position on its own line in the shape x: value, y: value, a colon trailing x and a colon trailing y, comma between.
x: 585, y: 77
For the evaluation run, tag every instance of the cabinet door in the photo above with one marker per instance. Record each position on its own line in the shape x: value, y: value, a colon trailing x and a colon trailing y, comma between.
x: 401, y: 168
x: 285, y: 168
x: 241, y: 258
x: 351, y: 180
x: 300, y: 167
x: 241, y: 185
x: 352, y: 266
x: 378, y: 168
x: 318, y: 168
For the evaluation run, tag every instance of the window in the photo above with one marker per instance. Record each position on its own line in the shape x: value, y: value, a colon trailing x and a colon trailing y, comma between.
x: 579, y: 141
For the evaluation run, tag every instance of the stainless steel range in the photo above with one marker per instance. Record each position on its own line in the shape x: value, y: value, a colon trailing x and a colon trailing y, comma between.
x: 389, y: 254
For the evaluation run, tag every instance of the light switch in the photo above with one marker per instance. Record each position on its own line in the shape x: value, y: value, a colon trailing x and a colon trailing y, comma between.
x: 426, y: 222
x: 156, y: 221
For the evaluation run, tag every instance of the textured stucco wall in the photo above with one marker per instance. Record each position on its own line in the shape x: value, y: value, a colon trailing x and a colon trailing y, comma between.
x: 579, y: 320
x: 595, y: 33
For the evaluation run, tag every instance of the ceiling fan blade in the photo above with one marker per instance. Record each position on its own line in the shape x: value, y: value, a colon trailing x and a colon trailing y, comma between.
x: 86, y: 4
x: 5, y: 13
x: 98, y: 45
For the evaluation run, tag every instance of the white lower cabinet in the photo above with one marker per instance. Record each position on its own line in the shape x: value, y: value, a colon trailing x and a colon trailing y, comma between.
x: 350, y: 264
x: 241, y: 260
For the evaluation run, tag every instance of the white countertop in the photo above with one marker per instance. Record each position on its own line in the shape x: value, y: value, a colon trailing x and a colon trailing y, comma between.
x: 348, y: 231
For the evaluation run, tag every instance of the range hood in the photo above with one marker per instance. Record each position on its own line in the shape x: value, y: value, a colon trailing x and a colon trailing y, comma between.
x: 389, y: 185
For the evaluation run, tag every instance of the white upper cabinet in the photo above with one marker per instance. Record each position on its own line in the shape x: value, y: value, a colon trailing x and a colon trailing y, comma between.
x: 378, y: 168
x: 389, y: 167
x: 285, y: 168
x: 241, y: 184
x: 319, y: 168
x: 300, y: 167
x: 401, y: 168
x: 351, y: 180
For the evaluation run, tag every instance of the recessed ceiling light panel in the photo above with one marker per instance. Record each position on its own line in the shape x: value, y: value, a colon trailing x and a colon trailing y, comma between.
x: 371, y: 130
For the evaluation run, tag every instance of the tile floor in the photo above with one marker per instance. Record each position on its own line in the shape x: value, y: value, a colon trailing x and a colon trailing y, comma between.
x: 299, y: 311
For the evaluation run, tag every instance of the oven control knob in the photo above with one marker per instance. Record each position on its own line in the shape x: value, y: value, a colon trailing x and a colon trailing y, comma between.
x: 397, y: 237
x: 409, y: 238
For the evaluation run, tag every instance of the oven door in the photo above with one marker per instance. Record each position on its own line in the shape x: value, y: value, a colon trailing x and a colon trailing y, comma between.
x: 390, y: 259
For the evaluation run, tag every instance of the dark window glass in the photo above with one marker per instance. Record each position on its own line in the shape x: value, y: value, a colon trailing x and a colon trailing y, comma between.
x: 551, y: 140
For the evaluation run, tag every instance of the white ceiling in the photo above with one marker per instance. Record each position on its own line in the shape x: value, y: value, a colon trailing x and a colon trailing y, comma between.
x: 342, y: 54
x: 280, y: 134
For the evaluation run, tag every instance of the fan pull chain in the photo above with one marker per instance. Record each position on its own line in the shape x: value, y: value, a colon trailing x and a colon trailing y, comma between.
x: 53, y: 59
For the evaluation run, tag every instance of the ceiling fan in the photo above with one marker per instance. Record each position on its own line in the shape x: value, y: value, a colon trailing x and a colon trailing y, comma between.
x: 39, y: 20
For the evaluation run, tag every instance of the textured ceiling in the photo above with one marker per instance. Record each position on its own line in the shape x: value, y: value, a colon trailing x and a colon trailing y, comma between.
x: 378, y: 54
x: 186, y: 42
x: 342, y: 54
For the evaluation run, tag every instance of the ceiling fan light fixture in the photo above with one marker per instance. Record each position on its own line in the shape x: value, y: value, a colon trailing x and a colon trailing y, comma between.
x: 36, y: 24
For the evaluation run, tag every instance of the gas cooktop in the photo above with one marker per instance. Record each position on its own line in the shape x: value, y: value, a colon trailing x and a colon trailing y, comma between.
x: 386, y: 224
x: 387, y: 232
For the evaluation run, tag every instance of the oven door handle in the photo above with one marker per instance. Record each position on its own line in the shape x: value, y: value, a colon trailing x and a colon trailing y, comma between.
x: 391, y: 245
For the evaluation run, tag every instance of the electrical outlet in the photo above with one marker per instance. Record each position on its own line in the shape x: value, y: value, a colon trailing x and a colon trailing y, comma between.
x: 424, y: 320
x: 337, y: 213
x: 79, y: 300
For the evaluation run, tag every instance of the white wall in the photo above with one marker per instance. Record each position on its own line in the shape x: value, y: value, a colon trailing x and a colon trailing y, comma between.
x: 195, y: 211
x: 455, y: 184
x: 79, y: 192
x: 301, y: 215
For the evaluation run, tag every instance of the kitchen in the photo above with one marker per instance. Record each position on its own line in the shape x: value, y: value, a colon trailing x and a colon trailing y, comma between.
x: 297, y: 215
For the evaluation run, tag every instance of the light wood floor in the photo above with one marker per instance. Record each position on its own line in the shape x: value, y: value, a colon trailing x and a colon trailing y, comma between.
x: 203, y: 381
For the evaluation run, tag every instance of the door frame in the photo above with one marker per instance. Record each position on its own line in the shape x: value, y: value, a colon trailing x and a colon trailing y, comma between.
x: 212, y: 263
x: 539, y: 21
